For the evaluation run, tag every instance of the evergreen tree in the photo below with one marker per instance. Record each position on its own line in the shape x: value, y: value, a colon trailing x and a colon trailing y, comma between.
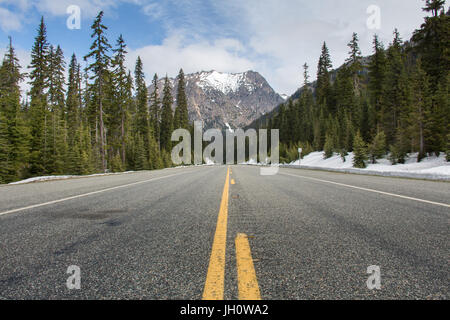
x: 399, y: 150
x: 360, y: 152
x: 354, y: 61
x: 396, y: 89
x: 293, y: 122
x: 39, y: 63
x: 99, y: 68
x: 148, y: 145
x: 167, y: 117
x: 73, y: 118
x: 122, y: 95
x: 56, y: 149
x: 434, y: 6
x: 181, y: 118
x: 305, y: 75
x: 5, y: 163
x: 141, y: 158
x: 377, y: 76
x: 38, y: 108
x: 432, y: 41
x: 116, y: 164
x: 323, y: 76
x: 155, y: 111
x: 73, y: 106
x: 328, y: 147
x: 56, y: 91
x: 421, y: 104
x: 437, y: 120
x: 16, y: 134
x: 377, y: 149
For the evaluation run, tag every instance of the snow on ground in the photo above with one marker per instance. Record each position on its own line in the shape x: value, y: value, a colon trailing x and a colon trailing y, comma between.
x: 38, y: 179
x: 49, y: 178
x: 430, y: 167
x: 252, y: 162
x: 209, y: 162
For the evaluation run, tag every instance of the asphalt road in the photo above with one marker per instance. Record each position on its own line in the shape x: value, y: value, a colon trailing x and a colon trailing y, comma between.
x: 150, y: 235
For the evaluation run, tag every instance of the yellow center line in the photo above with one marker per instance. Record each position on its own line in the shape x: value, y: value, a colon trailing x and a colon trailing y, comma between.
x: 215, y: 279
x: 247, y: 281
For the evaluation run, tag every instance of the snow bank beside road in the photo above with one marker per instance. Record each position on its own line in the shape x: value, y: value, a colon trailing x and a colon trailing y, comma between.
x: 49, y: 178
x: 436, y: 168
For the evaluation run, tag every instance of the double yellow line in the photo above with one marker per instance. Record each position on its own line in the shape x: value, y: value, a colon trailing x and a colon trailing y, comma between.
x: 215, y: 279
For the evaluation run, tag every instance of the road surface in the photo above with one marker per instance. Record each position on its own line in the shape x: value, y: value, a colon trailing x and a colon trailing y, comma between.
x: 225, y: 232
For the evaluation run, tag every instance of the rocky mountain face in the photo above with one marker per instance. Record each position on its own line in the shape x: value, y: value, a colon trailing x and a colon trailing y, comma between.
x: 224, y: 100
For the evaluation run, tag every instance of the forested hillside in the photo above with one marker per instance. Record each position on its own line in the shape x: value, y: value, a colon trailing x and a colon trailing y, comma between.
x: 97, y: 121
x: 394, y: 102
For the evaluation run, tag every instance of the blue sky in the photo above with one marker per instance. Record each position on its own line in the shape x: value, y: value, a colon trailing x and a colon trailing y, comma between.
x: 273, y: 37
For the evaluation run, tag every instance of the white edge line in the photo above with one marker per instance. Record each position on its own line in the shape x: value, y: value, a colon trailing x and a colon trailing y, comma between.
x: 371, y: 190
x: 86, y: 194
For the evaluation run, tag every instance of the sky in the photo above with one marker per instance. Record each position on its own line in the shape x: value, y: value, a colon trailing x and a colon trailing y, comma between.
x: 273, y: 37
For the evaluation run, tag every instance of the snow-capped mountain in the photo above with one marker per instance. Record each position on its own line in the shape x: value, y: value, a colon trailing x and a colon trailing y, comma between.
x: 226, y: 100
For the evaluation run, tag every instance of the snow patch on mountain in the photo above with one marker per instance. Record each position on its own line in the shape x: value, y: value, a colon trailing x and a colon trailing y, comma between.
x: 229, y: 127
x: 216, y: 97
x: 224, y: 82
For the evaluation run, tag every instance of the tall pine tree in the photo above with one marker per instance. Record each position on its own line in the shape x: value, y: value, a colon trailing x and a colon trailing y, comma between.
x: 38, y: 107
x: 99, y: 68
x: 181, y: 118
x: 167, y: 116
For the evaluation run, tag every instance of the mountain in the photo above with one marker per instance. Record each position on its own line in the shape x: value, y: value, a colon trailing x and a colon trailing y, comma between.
x: 225, y: 100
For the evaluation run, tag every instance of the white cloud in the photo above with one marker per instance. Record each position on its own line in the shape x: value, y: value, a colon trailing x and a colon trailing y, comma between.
x: 174, y: 54
x: 153, y: 10
x: 23, y: 5
x: 275, y: 37
x: 285, y: 34
x: 9, y: 21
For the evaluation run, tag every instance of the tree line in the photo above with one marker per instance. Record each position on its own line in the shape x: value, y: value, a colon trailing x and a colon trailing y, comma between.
x: 392, y: 103
x: 102, y: 119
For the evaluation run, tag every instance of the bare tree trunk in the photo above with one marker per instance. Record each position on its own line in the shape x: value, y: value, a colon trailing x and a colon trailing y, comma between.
x: 54, y: 133
x: 123, y: 137
x: 421, y: 137
x: 102, y: 132
x: 96, y: 130
x: 45, y: 142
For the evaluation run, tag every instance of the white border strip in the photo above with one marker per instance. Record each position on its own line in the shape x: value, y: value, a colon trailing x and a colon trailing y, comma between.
x: 87, y: 194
